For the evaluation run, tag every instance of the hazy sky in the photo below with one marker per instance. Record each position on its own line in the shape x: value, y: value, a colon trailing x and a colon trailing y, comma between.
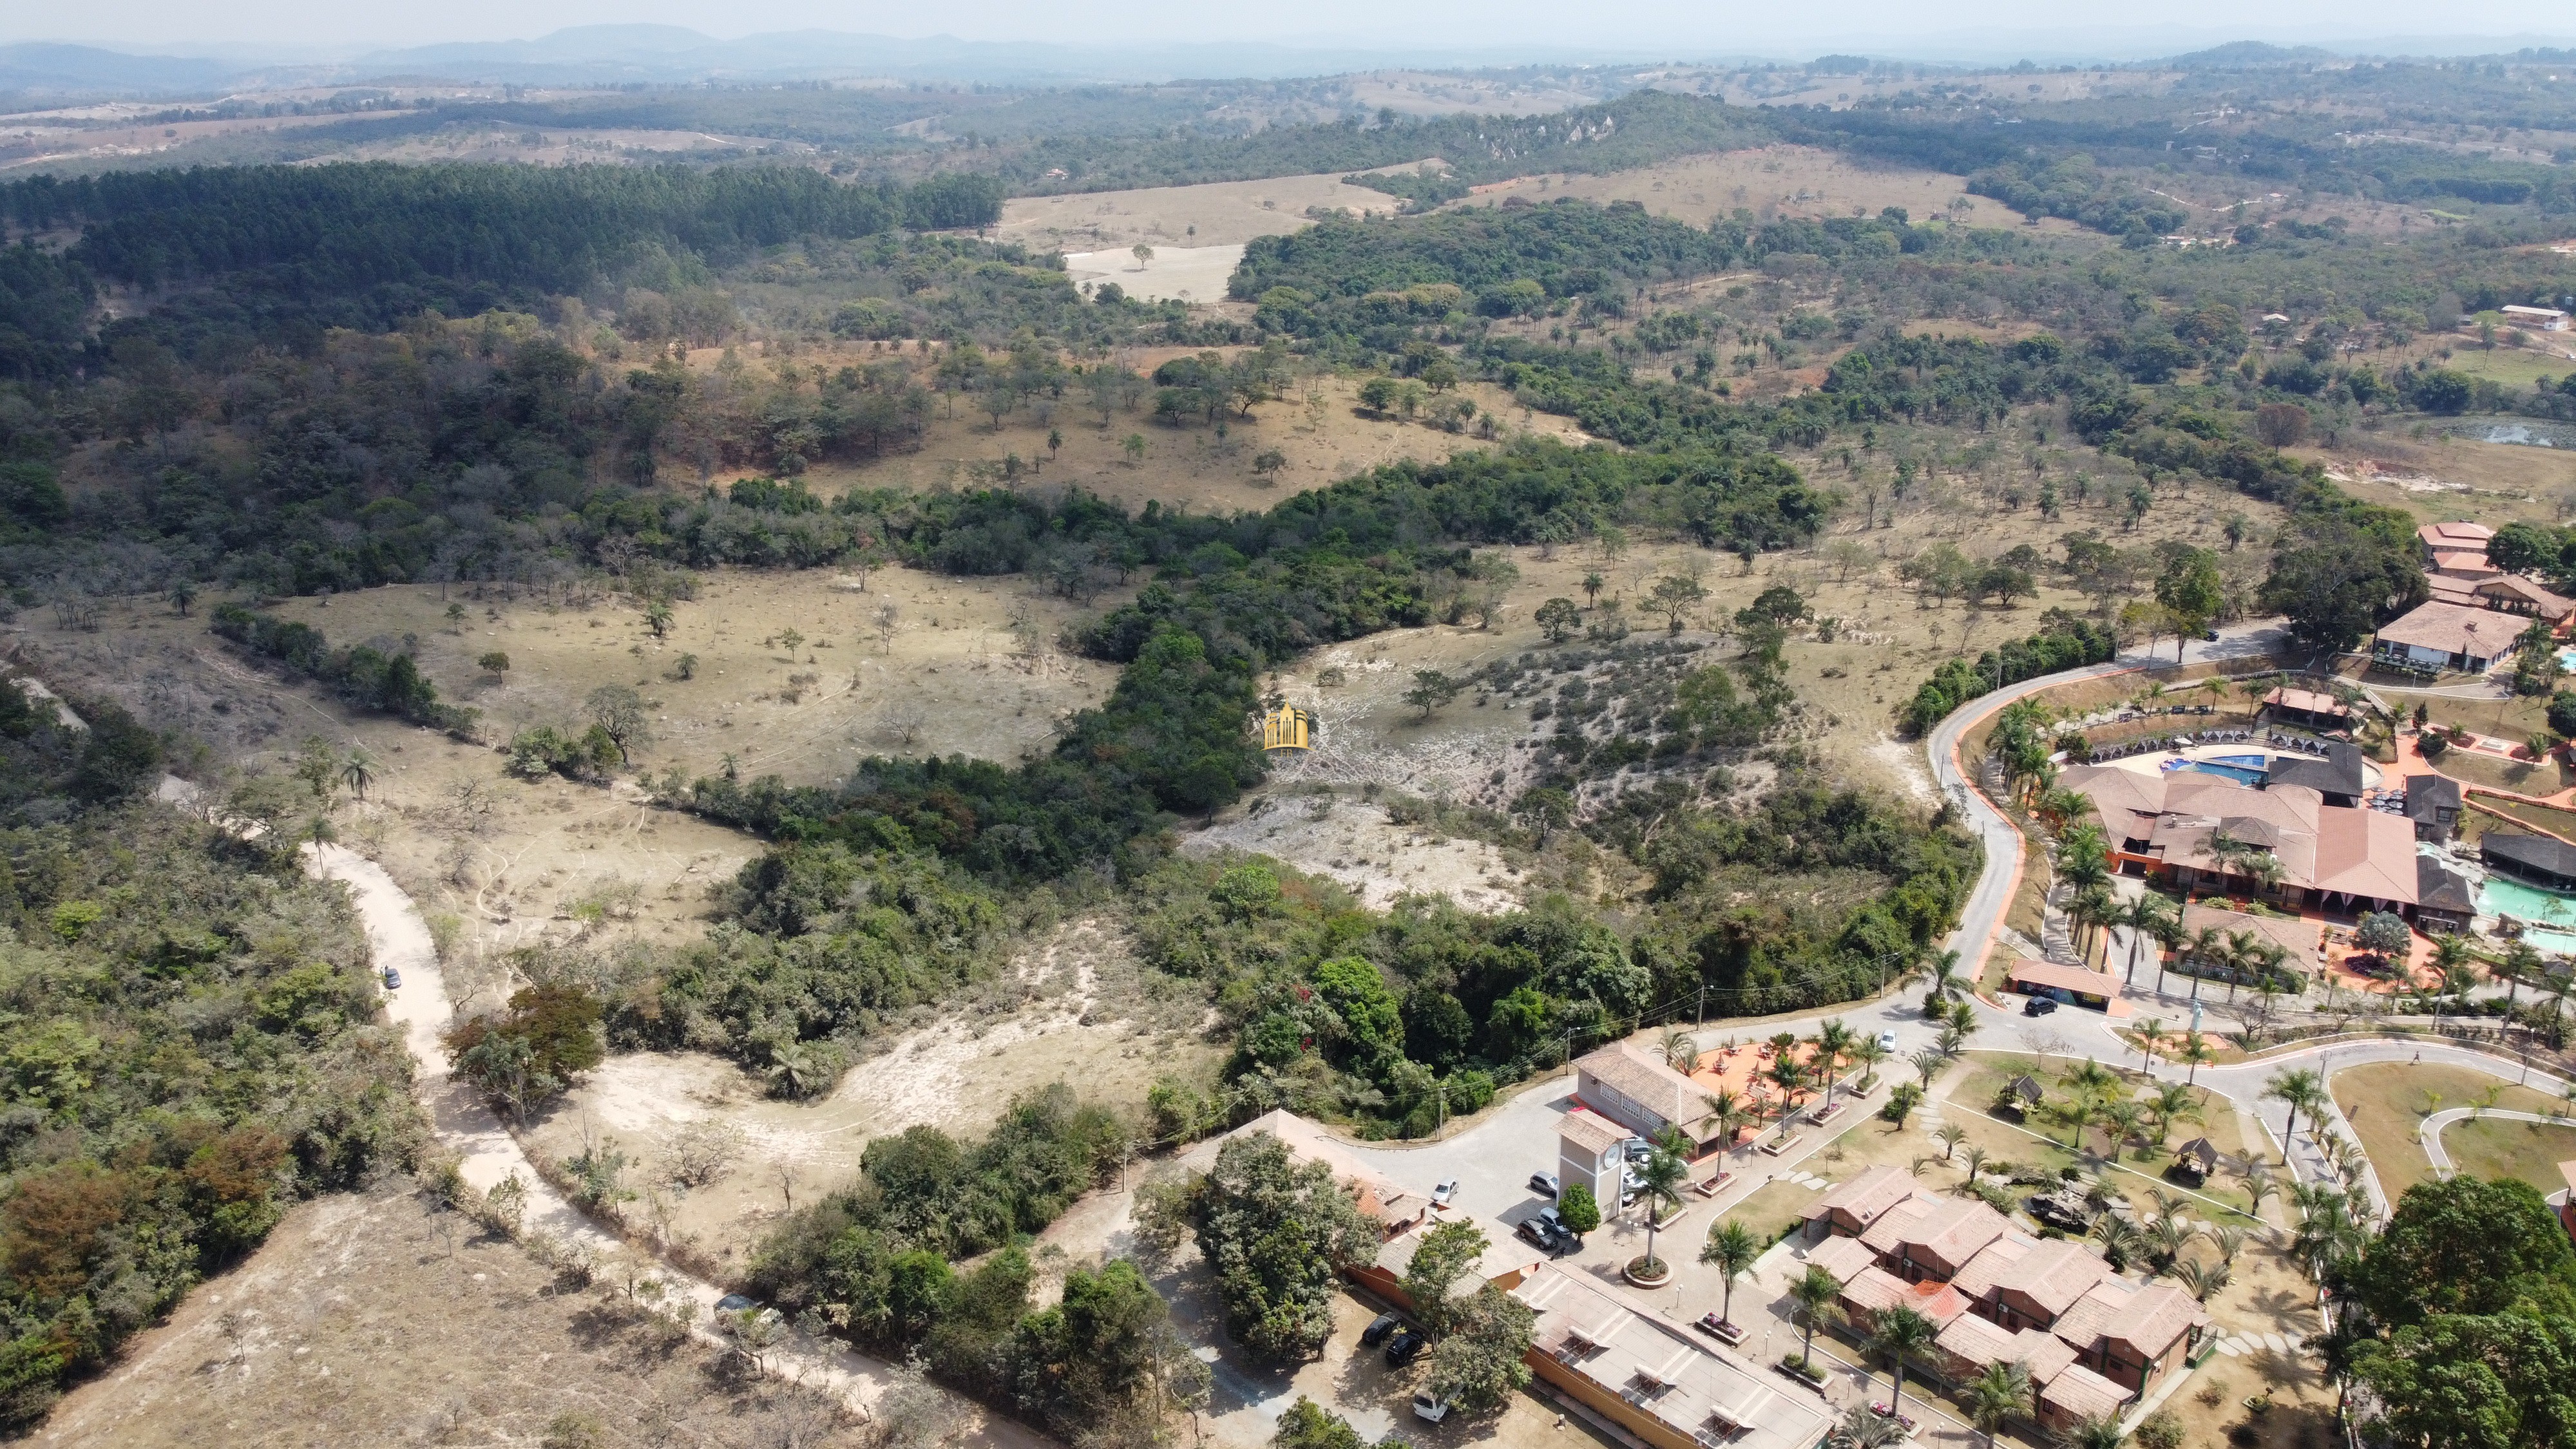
x: 1658, y: 26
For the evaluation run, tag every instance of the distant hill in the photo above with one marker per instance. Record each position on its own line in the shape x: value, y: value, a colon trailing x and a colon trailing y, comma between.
x: 2249, y: 55
x: 45, y: 68
x: 668, y: 53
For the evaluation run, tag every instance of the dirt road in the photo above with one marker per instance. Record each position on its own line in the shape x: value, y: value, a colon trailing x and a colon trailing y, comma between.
x: 401, y: 940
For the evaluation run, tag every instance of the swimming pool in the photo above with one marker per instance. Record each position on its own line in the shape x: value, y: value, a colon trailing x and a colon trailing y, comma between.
x: 2502, y: 897
x: 2243, y: 769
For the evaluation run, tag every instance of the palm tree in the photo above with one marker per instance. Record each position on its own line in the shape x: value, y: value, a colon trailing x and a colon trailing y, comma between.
x: 2203, y: 1280
x: 1788, y: 1075
x: 2327, y: 1234
x: 1816, y: 1294
x: 2259, y: 1185
x: 2208, y: 948
x: 2121, y: 1240
x: 1950, y: 1135
x: 2298, y: 1089
x: 1996, y: 1395
x: 1832, y: 1040
x: 2174, y: 1102
x: 2169, y: 1235
x: 1900, y: 1331
x: 358, y: 772
x: 1659, y: 1184
x: 1725, y: 1111
x: 2151, y: 1039
x: 2226, y: 852
x: 2090, y: 908
x: 801, y: 1067
x: 1976, y: 1164
x: 2194, y: 1052
x: 1862, y: 1429
x: 2094, y: 1433
x: 1866, y: 1053
x: 1946, y: 982
x: 2230, y: 1242
x: 2169, y: 936
x: 1678, y: 1050
x: 1731, y: 1249
x: 1928, y: 1064
x: 2120, y: 1122
x: 2266, y: 872
x: 2145, y: 917
x: 2519, y: 963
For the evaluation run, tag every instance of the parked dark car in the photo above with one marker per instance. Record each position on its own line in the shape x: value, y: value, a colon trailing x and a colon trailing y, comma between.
x: 1548, y: 1237
x: 2039, y: 1006
x: 393, y: 979
x: 1405, y: 1347
x: 1379, y: 1327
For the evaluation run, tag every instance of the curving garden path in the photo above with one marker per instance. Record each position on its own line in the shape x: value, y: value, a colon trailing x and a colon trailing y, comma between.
x: 2440, y: 1121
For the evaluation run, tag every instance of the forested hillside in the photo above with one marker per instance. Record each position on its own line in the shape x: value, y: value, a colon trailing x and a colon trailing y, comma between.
x: 192, y: 1042
x: 262, y: 255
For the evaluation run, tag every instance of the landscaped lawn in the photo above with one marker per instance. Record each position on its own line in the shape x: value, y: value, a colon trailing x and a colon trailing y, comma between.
x: 2050, y: 1150
x: 1773, y: 1209
x: 2386, y: 1101
x: 2528, y: 1150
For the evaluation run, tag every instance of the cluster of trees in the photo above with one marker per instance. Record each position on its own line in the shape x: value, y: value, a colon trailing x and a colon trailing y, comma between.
x: 2459, y: 1316
x: 2064, y: 641
x: 193, y: 1044
x: 873, y: 1261
x: 2074, y: 188
x: 362, y: 675
x: 1276, y: 1232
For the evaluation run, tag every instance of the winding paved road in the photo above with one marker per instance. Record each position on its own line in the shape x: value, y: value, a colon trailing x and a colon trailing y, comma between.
x: 1981, y: 919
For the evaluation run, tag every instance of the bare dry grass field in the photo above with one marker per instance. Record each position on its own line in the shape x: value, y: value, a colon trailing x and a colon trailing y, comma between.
x: 511, y: 862
x: 1791, y: 181
x: 1320, y: 429
x: 1214, y: 214
x: 366, y: 1320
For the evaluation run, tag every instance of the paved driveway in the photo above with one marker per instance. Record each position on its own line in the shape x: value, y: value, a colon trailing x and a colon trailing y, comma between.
x: 1491, y: 1159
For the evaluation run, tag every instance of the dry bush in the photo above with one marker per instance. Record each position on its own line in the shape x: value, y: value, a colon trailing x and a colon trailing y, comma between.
x: 700, y: 1152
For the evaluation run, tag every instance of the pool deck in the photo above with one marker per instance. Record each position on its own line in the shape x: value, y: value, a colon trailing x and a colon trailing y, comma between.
x: 2373, y: 774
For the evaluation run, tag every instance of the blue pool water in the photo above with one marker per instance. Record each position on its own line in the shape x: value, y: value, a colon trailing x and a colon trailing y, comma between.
x: 2529, y: 903
x: 2238, y: 773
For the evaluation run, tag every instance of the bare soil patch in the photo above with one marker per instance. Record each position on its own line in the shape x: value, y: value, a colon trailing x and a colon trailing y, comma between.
x: 1357, y: 844
x: 1187, y: 274
x: 1072, y: 1008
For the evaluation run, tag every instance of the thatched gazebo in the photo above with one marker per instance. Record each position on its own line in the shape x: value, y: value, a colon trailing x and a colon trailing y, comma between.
x: 2199, y: 1157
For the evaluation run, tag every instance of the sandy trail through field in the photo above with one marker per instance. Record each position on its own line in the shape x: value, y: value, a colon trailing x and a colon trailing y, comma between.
x: 489, y: 1155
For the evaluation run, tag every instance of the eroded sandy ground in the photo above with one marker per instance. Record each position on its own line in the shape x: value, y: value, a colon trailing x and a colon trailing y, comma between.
x: 1072, y: 1008
x: 1355, y: 843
